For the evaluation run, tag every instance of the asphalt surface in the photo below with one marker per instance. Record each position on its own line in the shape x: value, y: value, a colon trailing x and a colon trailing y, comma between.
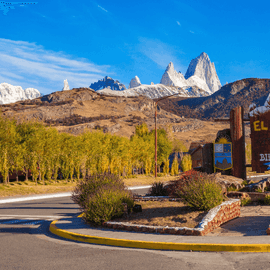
x: 26, y: 243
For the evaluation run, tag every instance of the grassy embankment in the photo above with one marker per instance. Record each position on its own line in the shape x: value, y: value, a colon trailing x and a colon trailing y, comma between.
x: 28, y: 187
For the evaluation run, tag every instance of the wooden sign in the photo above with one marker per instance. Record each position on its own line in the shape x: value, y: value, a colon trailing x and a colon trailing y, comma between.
x: 223, y: 155
x: 260, y: 141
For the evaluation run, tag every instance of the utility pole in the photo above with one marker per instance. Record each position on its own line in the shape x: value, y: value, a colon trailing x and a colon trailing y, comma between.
x: 156, y: 102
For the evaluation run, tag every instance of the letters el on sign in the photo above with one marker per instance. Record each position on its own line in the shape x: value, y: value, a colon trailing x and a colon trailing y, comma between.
x: 260, y: 142
x: 259, y: 126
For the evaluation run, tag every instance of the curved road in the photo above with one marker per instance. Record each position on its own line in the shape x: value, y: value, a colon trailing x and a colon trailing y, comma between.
x: 26, y: 243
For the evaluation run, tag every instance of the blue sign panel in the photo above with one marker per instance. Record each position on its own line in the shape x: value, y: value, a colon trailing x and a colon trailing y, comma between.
x: 223, y: 156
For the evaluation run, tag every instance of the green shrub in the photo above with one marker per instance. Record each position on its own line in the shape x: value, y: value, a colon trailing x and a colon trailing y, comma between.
x: 101, y: 197
x: 267, y: 200
x: 245, y: 183
x: 231, y: 188
x: 105, y: 205
x: 201, y: 192
x: 245, y: 201
x: 258, y: 190
x: 158, y: 189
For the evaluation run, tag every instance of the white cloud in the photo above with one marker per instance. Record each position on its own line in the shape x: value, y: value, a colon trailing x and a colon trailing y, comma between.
x: 191, y: 32
x: 30, y: 65
x: 159, y: 52
x: 178, y: 23
x: 103, y: 8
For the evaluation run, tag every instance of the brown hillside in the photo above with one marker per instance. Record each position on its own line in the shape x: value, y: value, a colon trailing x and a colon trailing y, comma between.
x: 218, y: 105
x: 79, y: 109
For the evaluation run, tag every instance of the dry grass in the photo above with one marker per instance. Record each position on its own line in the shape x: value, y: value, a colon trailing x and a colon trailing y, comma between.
x: 166, y: 213
x: 28, y: 188
x: 142, y: 180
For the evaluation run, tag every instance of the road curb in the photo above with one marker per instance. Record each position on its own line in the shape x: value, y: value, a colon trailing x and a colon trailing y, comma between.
x: 157, y: 245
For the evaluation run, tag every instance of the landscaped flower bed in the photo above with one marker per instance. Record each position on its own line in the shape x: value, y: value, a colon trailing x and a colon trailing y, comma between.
x: 220, y: 214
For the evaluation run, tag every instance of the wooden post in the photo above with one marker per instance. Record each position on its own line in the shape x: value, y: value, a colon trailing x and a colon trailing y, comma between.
x: 238, y: 142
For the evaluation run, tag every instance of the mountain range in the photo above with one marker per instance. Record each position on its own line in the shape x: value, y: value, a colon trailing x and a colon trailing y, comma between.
x: 200, y: 80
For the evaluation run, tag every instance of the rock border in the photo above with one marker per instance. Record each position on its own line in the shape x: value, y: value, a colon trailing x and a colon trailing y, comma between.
x: 218, y: 215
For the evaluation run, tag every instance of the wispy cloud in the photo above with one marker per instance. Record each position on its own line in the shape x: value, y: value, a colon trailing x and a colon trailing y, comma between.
x: 30, y: 65
x: 159, y: 52
x: 103, y: 8
x: 191, y: 32
x: 178, y: 23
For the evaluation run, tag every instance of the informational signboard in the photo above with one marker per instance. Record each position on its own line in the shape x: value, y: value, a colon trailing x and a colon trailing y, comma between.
x: 260, y: 142
x: 223, y: 155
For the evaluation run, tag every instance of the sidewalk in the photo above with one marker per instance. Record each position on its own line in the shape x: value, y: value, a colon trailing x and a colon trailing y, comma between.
x: 244, y: 234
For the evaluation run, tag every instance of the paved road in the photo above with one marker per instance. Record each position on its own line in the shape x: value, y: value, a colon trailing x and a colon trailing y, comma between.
x: 26, y: 243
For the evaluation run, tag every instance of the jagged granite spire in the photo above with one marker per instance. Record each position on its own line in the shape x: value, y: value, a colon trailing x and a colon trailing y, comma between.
x: 172, y: 77
x: 66, y: 86
x: 109, y: 83
x: 202, y: 68
x: 135, y: 82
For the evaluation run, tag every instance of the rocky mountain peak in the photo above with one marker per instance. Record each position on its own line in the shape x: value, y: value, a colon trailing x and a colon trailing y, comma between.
x: 135, y: 82
x: 202, y: 68
x: 172, y: 77
x: 66, y: 86
x: 108, y: 83
x: 170, y: 67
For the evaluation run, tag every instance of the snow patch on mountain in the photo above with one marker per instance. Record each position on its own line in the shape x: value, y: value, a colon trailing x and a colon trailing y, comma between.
x: 11, y: 94
x: 134, y: 82
x: 156, y: 91
x: 253, y: 110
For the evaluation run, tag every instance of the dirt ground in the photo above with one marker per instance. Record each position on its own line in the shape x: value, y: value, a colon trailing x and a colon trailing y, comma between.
x: 165, y: 213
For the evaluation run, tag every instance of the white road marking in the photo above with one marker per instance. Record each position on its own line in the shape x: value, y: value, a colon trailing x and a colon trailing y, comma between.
x: 48, y: 196
x: 38, y: 197
x: 26, y: 219
x: 138, y: 187
x: 31, y: 216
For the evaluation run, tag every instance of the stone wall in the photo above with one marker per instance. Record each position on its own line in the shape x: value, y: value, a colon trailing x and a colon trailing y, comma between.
x: 220, y: 214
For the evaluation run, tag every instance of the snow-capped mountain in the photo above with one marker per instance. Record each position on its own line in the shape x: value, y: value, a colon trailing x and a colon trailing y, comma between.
x: 134, y: 82
x: 201, y: 73
x: 201, y: 68
x: 108, y: 83
x: 200, y: 80
x: 173, y: 78
x: 11, y: 94
x: 156, y: 91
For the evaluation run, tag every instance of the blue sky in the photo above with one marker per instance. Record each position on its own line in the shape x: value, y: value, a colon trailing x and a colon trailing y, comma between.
x: 83, y: 41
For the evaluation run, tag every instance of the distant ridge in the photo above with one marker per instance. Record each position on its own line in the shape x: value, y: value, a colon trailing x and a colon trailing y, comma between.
x: 218, y: 105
